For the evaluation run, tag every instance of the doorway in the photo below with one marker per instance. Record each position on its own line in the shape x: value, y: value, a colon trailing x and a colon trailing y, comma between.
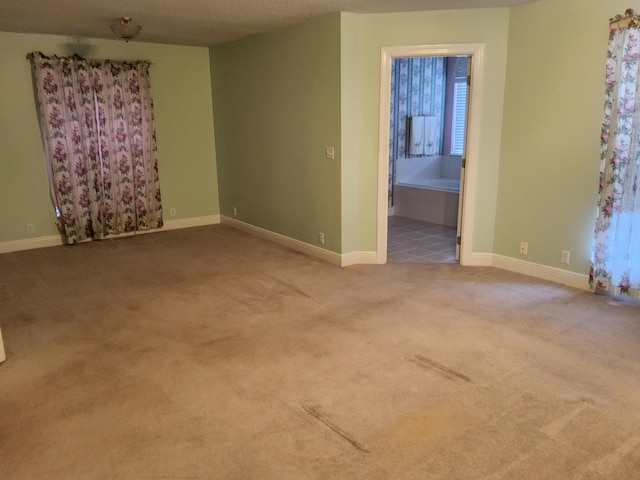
x: 428, y: 110
x: 464, y: 228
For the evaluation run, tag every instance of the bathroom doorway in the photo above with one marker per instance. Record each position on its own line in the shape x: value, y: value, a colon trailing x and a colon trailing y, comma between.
x: 462, y: 206
x: 428, y: 110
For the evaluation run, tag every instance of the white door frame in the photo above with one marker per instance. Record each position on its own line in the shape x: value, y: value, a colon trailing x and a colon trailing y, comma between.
x: 476, y: 51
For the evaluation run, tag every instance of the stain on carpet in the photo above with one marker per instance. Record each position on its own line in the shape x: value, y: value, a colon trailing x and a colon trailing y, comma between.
x: 426, y: 429
x: 260, y: 292
x: 446, y: 372
x: 321, y: 418
x: 553, y: 428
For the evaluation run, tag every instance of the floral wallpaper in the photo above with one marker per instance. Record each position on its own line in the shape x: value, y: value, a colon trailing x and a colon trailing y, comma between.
x: 418, y: 87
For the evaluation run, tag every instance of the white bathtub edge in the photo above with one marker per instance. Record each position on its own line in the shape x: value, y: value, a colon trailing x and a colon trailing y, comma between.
x: 433, y: 187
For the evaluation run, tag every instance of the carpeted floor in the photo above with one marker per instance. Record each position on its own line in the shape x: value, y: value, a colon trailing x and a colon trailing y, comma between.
x: 206, y: 353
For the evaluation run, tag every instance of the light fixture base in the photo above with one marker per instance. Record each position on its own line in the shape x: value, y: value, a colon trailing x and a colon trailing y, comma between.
x: 126, y: 29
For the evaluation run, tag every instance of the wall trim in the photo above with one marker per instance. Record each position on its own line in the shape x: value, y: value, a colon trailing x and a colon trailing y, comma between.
x: 469, y: 180
x: 56, y: 240
x: 359, y: 258
x: 191, y: 222
x: 543, y: 272
x: 30, y: 243
x: 536, y: 270
x: 478, y: 260
x: 292, y: 243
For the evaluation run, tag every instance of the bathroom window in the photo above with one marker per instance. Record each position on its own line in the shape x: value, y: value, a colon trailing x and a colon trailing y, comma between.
x: 455, y: 117
x: 459, y: 107
x: 459, y: 117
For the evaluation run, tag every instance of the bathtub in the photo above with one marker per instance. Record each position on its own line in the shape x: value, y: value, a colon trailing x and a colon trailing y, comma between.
x: 427, y: 188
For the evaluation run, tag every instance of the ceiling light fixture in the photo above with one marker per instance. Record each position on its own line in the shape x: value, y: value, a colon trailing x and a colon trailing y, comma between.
x: 125, y: 29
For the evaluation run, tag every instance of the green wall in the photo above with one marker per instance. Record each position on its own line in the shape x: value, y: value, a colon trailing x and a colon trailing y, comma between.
x: 488, y: 26
x: 181, y: 88
x: 350, y: 122
x: 276, y: 100
x: 554, y: 100
x: 281, y: 97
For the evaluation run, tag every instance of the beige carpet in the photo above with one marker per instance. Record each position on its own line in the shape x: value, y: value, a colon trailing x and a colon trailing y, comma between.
x: 210, y: 354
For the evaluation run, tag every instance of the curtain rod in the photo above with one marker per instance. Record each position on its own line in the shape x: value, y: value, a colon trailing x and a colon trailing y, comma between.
x: 32, y: 55
x: 629, y: 19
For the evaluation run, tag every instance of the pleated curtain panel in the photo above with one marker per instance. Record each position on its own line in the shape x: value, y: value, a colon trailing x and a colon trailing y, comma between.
x: 615, y: 262
x: 96, y: 119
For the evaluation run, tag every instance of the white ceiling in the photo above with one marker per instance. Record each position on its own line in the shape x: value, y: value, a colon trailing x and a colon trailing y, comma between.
x: 196, y: 22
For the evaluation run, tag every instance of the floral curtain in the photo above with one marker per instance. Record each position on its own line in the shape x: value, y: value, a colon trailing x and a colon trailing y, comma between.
x: 615, y: 265
x: 96, y: 119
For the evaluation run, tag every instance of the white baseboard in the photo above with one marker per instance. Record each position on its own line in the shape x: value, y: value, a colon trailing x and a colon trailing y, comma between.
x: 543, y: 272
x: 344, y: 260
x: 478, y: 260
x: 30, y: 243
x: 191, y: 222
x: 531, y: 269
x: 359, y: 258
x: 56, y: 240
x: 297, y: 245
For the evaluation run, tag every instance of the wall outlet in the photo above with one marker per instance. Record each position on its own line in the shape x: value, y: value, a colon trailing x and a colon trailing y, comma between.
x: 30, y: 228
x: 565, y: 256
x: 172, y: 212
x: 329, y: 153
x: 524, y: 248
x: 235, y: 212
x: 321, y: 238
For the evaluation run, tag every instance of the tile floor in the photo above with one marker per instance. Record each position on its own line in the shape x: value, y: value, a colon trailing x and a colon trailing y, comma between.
x: 414, y: 241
